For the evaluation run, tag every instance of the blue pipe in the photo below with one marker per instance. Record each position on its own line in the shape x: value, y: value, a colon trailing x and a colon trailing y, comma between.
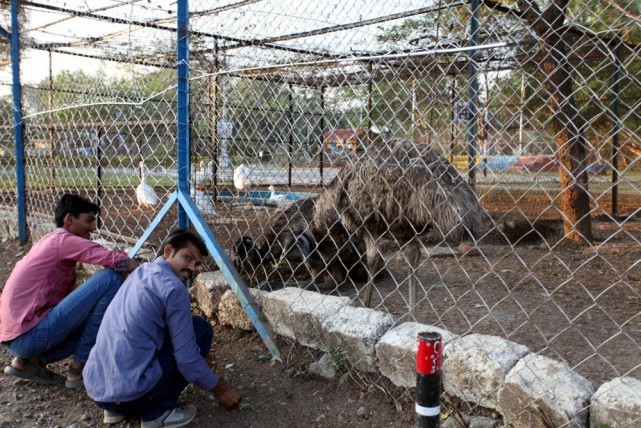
x: 18, y: 125
x: 4, y: 33
x: 183, y: 106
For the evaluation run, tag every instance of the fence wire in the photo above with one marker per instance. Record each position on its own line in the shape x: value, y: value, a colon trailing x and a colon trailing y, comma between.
x: 362, y: 143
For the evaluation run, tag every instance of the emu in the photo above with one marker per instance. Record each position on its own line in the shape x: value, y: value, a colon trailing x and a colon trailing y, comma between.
x: 331, y: 258
x: 404, y: 191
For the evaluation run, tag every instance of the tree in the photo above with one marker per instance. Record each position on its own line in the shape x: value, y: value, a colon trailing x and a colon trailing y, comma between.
x: 567, y: 123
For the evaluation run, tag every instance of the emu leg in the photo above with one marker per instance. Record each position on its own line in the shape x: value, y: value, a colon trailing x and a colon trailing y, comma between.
x: 413, y: 256
x: 374, y: 262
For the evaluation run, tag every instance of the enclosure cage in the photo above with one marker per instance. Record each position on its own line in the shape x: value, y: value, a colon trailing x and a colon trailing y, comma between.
x: 531, y: 111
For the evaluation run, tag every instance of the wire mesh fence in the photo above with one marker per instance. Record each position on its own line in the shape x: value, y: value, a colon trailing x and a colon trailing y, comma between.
x: 315, y: 132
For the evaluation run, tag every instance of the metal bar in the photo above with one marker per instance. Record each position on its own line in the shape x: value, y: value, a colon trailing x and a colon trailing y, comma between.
x: 4, y: 33
x: 290, y: 139
x: 322, y: 131
x: 213, y: 111
x: 472, y: 128
x: 428, y: 380
x: 227, y: 268
x: 115, y: 20
x: 101, y: 134
x: 154, y: 223
x: 52, y: 142
x: 183, y: 106
x: 616, y: 88
x: 363, y: 23
x: 18, y: 124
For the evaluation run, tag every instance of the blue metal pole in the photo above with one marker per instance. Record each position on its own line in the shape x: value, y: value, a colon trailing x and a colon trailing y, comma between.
x: 18, y: 125
x: 183, y: 106
x: 472, y: 128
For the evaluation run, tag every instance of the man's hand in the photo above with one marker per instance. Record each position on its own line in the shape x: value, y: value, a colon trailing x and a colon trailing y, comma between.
x: 228, y: 397
x: 133, y: 264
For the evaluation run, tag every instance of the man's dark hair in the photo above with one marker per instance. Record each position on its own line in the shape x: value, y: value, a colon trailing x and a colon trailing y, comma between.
x: 180, y: 238
x: 74, y: 205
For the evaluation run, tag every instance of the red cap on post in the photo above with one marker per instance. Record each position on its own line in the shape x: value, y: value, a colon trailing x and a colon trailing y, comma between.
x: 429, y: 353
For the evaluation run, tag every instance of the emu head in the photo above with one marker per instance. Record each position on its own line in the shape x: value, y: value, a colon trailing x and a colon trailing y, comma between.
x: 246, y: 256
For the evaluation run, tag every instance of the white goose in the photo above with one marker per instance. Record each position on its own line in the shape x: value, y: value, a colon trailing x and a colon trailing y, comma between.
x: 203, y: 175
x: 242, y: 179
x: 203, y: 202
x: 145, y: 194
x: 279, y: 199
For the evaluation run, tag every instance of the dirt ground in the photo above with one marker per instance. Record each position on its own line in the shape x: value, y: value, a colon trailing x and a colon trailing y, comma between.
x: 274, y: 394
x: 577, y: 304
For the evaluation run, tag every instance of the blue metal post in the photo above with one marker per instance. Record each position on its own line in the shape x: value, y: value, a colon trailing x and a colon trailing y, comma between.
x: 472, y: 128
x: 187, y: 210
x: 183, y: 106
x: 18, y: 125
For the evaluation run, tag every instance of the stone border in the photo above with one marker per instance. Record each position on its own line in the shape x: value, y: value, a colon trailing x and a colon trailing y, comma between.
x: 527, y: 389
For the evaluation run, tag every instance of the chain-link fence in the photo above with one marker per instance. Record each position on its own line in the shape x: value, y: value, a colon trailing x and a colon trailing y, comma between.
x: 319, y: 102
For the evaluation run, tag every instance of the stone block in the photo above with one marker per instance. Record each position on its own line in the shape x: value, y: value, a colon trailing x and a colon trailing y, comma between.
x: 616, y: 404
x: 299, y: 314
x: 231, y: 313
x: 540, y: 392
x: 475, y: 366
x: 207, y: 291
x: 396, y: 351
x: 355, y: 332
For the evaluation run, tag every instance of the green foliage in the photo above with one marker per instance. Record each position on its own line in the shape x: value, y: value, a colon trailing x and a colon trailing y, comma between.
x: 342, y: 363
x: 245, y: 406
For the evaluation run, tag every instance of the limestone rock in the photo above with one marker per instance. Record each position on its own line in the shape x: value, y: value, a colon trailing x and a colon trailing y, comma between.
x: 617, y: 403
x: 540, y: 392
x: 207, y: 291
x: 323, y: 368
x: 231, y: 313
x: 299, y: 314
x: 396, y: 351
x: 475, y: 366
x: 355, y: 331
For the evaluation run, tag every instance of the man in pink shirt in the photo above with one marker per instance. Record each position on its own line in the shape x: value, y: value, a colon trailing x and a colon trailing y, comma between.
x: 44, y: 316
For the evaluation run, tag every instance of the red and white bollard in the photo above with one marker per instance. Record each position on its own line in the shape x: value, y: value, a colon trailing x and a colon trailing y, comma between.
x: 428, y: 380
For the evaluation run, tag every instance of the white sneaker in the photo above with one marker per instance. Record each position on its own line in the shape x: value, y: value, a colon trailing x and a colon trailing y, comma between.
x: 110, y: 417
x: 179, y: 416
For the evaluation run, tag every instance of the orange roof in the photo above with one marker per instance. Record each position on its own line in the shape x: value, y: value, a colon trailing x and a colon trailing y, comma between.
x: 344, y: 134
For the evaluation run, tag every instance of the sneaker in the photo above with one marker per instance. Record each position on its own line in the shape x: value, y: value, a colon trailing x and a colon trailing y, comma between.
x: 112, y: 417
x: 177, y: 417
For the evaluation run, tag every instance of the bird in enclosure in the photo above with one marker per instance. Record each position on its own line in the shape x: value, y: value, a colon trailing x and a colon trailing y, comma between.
x: 242, y: 179
x: 275, y: 197
x: 145, y: 194
x: 203, y: 202
x: 204, y: 176
x: 289, y: 238
x: 400, y: 190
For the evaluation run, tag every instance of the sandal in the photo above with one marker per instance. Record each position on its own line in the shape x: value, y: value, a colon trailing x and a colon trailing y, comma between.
x: 74, y: 383
x: 35, y: 372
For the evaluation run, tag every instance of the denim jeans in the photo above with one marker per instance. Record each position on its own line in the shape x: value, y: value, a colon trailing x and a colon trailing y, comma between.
x: 164, y: 395
x: 71, y: 327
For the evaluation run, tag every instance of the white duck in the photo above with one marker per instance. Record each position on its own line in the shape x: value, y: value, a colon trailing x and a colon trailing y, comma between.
x: 242, y: 179
x: 203, y: 202
x: 145, y: 194
x: 279, y: 199
x: 203, y: 175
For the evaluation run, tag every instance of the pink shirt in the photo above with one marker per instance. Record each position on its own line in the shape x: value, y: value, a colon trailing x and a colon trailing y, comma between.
x: 45, y: 276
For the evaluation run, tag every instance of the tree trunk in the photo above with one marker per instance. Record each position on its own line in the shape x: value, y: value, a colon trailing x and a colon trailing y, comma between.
x: 566, y: 121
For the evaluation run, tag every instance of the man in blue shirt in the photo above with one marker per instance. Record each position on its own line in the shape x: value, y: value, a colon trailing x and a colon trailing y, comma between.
x: 150, y: 347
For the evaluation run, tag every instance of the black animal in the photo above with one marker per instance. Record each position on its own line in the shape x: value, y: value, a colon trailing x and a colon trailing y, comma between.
x: 331, y: 256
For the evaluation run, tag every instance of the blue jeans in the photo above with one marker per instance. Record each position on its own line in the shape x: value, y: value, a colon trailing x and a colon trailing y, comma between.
x: 71, y: 327
x: 164, y: 395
